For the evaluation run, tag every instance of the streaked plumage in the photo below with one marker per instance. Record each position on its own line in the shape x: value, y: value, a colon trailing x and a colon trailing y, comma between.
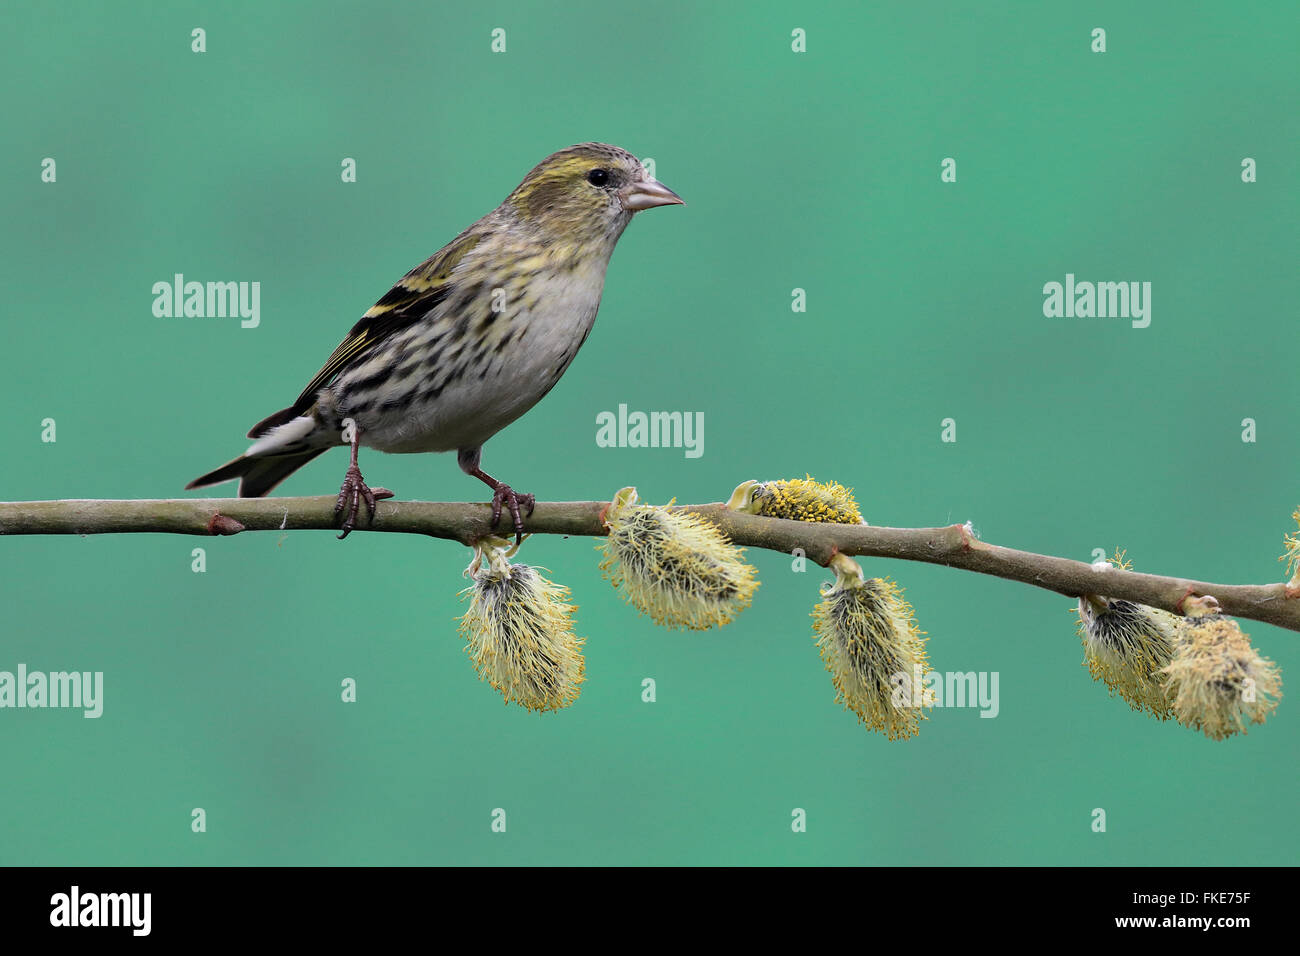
x: 469, y: 340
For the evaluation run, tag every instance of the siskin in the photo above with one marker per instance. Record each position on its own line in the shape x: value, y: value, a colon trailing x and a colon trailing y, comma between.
x: 799, y: 499
x: 869, y: 642
x: 674, y: 566
x: 467, y: 341
x: 1128, y: 646
x: 1217, y: 681
x: 519, y: 631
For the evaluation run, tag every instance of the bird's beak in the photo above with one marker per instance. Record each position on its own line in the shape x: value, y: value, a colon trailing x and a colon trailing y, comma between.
x: 648, y: 193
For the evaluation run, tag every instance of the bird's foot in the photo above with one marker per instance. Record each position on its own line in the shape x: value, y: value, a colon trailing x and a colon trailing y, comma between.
x: 354, y: 491
x: 503, y: 494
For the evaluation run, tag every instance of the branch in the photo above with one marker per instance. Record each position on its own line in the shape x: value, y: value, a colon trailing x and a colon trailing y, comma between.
x: 952, y: 546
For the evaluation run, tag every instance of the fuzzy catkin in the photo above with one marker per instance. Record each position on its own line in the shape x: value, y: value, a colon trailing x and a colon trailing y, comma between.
x: 797, y: 499
x: 1218, y: 681
x: 519, y: 635
x: 1127, y: 646
x: 674, y: 566
x: 869, y: 642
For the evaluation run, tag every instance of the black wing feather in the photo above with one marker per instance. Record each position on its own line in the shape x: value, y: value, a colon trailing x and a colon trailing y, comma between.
x: 405, y: 304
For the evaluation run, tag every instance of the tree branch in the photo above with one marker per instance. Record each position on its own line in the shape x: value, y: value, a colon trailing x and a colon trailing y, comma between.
x: 953, y: 546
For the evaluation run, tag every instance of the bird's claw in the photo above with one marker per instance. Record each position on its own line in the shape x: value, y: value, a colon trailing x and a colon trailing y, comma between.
x: 505, y: 495
x: 354, y: 491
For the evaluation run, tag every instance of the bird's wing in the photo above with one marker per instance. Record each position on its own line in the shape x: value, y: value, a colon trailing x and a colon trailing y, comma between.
x: 406, y: 303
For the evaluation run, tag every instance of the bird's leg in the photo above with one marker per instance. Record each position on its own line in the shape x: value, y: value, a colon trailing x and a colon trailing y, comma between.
x: 503, y: 494
x: 355, y: 490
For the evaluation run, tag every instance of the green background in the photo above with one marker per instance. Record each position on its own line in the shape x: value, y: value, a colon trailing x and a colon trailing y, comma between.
x: 817, y: 170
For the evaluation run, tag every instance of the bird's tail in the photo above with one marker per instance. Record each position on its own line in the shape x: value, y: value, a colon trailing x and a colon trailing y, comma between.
x: 285, y: 447
x: 257, y: 476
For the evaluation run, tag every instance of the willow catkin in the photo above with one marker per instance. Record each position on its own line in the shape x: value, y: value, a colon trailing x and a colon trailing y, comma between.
x: 674, y: 566
x: 1217, y: 680
x: 519, y: 633
x: 1127, y: 646
x: 869, y: 642
x: 797, y: 499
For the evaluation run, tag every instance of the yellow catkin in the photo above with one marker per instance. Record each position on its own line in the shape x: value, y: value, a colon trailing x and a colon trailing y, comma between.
x: 869, y: 642
x: 1218, y: 681
x: 674, y: 566
x: 798, y: 499
x: 1292, y: 554
x: 519, y: 634
x: 1127, y: 646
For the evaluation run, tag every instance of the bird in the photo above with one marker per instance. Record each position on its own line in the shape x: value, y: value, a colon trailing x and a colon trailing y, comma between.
x: 467, y: 341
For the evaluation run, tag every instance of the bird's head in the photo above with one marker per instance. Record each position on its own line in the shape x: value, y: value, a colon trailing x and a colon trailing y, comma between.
x: 587, y: 192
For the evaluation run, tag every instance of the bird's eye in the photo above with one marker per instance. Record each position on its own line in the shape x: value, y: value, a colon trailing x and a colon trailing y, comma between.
x: 598, y: 177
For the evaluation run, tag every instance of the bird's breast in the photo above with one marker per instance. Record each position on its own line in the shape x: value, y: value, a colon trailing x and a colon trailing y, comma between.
x: 476, y: 369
